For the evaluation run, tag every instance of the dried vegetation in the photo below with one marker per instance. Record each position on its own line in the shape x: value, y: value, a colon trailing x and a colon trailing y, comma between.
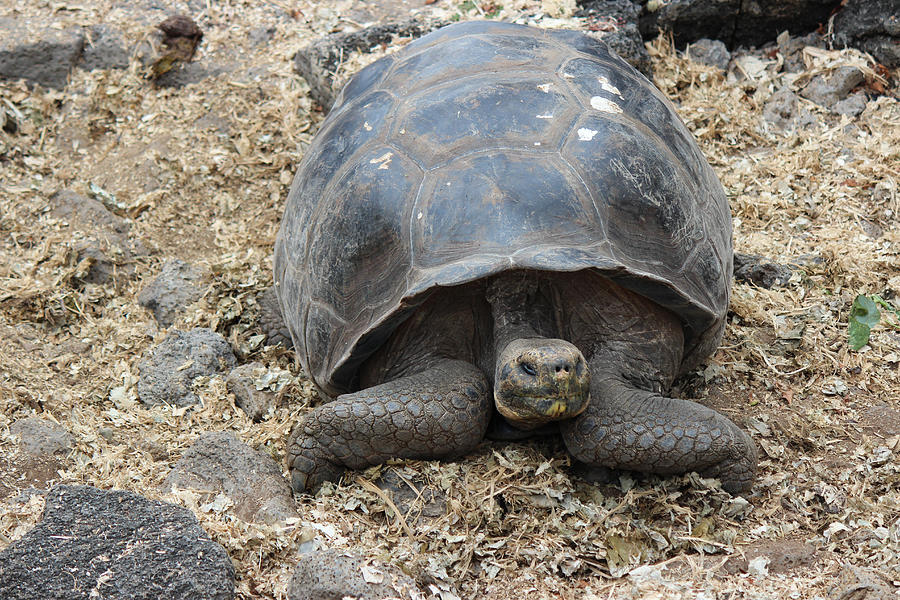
x: 201, y: 173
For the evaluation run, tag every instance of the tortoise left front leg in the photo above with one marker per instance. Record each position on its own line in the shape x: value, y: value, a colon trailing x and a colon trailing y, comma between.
x: 441, y: 412
x: 627, y: 427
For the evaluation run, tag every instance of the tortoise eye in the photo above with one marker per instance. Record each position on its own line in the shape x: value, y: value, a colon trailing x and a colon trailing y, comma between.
x: 529, y: 368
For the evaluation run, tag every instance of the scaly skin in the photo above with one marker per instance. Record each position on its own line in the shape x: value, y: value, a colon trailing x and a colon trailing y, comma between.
x: 629, y: 428
x: 442, y: 412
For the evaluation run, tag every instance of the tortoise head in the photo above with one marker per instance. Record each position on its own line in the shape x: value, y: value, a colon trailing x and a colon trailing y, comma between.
x: 539, y: 380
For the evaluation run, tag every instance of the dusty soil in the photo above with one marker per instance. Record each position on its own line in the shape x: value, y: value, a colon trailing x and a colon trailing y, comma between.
x: 201, y: 173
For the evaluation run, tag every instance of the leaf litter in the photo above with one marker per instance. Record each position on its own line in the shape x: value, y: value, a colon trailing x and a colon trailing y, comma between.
x: 201, y: 173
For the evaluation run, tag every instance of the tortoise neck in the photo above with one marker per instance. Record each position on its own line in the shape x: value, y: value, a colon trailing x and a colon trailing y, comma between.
x: 512, y: 297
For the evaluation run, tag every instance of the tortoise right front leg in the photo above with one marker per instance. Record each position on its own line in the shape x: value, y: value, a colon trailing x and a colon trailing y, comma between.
x: 441, y: 412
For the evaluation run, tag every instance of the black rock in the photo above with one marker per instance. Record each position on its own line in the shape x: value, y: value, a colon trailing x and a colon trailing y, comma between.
x: 114, y: 545
x: 872, y: 26
x: 735, y: 22
x: 37, y: 53
x: 690, y: 20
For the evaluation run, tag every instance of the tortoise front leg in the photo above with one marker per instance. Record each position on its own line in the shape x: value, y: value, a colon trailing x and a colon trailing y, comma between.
x: 442, y: 412
x: 630, y: 428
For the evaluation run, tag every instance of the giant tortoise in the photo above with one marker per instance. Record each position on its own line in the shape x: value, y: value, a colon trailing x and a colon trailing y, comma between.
x: 509, y: 223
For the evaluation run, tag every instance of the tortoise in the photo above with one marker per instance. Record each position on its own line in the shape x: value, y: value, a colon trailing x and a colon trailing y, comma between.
x: 505, y: 226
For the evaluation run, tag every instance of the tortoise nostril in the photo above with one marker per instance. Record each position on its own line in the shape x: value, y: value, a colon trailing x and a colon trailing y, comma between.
x: 563, y: 367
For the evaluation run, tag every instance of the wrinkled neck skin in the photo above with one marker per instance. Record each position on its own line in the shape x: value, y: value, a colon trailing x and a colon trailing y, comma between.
x: 514, y: 302
x: 537, y: 378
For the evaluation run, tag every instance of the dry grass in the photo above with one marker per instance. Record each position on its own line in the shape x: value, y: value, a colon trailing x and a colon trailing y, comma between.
x: 202, y: 173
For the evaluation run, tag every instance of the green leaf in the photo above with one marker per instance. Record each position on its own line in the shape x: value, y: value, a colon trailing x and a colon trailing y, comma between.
x: 859, y: 335
x: 863, y: 316
x: 865, y: 311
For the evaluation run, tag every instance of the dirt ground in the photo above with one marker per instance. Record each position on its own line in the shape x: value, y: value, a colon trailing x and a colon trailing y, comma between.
x: 201, y: 173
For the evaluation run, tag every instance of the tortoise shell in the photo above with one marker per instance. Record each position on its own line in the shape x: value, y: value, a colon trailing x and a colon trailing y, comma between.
x: 487, y: 146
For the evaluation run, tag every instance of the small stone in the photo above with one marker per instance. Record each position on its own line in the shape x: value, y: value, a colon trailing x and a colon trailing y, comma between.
x: 173, y: 290
x: 880, y: 456
x: 415, y: 498
x: 329, y: 574
x: 826, y: 90
x: 261, y: 35
x: 220, y: 463
x: 118, y: 545
x: 760, y: 271
x: 780, y: 109
x: 168, y: 373
x: 250, y: 393
x: 40, y: 437
x: 709, y: 52
x: 852, y: 106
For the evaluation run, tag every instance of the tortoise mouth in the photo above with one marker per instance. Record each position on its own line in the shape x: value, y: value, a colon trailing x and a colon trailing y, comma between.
x: 528, y: 412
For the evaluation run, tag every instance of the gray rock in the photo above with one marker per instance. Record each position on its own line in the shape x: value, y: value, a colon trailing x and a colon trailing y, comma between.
x: 872, y: 26
x: 219, y: 462
x: 415, y: 498
x: 709, y: 52
x: 780, y: 110
x: 826, y: 90
x: 760, y: 271
x: 105, y: 49
x: 37, y: 53
x: 851, y: 106
x: 106, y: 237
x: 39, y: 437
x: 259, y: 36
x: 114, y: 545
x: 169, y: 372
x: 615, y: 22
x: 318, y: 62
x: 243, y: 383
x: 331, y: 574
x: 175, y: 288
